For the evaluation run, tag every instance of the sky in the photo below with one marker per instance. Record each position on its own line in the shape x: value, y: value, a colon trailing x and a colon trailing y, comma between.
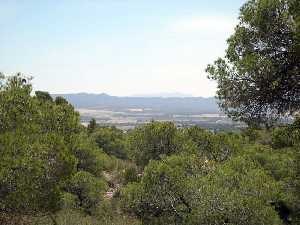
x: 118, y: 47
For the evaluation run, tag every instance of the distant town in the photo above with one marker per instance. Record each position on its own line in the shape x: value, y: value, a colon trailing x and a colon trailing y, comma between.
x: 130, y: 118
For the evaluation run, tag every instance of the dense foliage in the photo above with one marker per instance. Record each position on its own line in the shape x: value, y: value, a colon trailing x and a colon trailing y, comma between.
x: 253, y: 184
x: 53, y: 170
x: 258, y: 80
x: 45, y: 153
x: 152, y: 141
x: 111, y: 140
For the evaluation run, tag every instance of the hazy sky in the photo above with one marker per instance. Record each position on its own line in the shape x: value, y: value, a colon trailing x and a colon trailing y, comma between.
x: 120, y: 47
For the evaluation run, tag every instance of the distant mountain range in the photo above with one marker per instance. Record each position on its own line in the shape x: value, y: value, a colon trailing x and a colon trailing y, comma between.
x: 164, y: 95
x: 188, y: 105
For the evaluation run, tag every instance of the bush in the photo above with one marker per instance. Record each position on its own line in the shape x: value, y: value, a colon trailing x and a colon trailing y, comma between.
x: 281, y: 137
x: 88, y: 189
x: 217, y: 147
x: 287, y: 136
x: 164, y: 194
x: 111, y: 140
x: 130, y: 175
x: 90, y: 157
x: 153, y: 141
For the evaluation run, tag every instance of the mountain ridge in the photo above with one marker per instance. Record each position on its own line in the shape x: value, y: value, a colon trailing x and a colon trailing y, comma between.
x: 165, y: 104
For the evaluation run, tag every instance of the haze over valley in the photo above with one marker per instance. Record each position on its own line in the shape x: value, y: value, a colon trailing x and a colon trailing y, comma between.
x: 128, y: 112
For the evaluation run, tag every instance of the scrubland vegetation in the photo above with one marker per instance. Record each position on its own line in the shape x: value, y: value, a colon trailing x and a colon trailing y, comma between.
x: 53, y: 170
x: 56, y: 171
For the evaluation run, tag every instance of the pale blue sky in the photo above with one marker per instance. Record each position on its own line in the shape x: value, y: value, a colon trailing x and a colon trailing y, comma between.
x: 120, y: 47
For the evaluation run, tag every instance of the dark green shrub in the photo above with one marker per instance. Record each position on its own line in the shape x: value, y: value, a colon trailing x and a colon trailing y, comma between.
x: 130, y: 175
